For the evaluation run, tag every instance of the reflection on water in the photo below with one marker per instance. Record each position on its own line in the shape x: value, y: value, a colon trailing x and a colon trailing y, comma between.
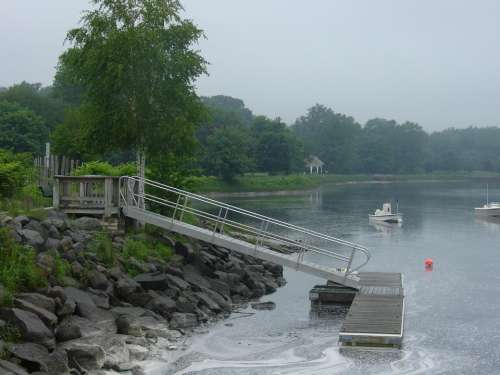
x: 452, y: 318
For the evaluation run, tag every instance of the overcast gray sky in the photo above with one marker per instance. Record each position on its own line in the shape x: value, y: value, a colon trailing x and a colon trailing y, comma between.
x: 436, y: 62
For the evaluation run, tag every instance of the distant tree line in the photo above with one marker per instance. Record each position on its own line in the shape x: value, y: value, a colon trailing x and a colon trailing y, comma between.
x: 231, y: 140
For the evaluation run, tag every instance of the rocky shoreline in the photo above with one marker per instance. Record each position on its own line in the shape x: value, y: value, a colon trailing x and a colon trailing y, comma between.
x: 99, y: 319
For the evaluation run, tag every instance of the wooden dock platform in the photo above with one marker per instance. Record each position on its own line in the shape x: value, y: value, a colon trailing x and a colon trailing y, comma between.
x: 376, y: 316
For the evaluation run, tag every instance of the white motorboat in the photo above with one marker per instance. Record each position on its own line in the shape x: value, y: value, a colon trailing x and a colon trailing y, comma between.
x: 386, y: 215
x: 491, y: 209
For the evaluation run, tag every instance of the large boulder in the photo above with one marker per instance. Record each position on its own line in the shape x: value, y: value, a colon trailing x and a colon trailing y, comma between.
x: 36, y: 357
x: 223, y: 301
x: 125, y: 286
x: 58, y: 223
x: 33, y: 238
x: 97, y: 280
x: 37, y: 227
x: 155, y: 281
x: 208, y: 302
x: 86, y: 223
x: 9, y: 368
x: 30, y: 326
x: 53, y: 244
x: 193, y: 277
x: 48, y: 318
x: 85, y: 355
x: 74, y: 327
x: 177, y: 282
x: 85, y: 306
x: 163, y: 305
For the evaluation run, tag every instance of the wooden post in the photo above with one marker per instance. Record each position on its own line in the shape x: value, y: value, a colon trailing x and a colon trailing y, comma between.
x: 108, y: 196
x: 55, y: 194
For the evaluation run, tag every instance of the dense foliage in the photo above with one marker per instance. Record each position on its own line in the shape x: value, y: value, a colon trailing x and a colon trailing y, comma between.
x: 18, y: 269
x: 135, y: 66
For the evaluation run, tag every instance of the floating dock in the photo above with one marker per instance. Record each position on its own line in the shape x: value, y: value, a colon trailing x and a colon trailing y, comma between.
x: 376, y: 315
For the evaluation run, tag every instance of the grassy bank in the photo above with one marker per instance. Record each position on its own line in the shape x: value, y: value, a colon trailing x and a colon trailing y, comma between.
x: 264, y: 182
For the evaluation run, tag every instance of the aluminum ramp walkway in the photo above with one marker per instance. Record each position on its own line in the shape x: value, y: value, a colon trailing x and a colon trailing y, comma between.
x: 221, y: 224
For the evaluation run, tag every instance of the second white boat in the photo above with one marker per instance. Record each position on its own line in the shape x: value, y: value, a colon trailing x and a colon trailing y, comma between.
x: 386, y: 215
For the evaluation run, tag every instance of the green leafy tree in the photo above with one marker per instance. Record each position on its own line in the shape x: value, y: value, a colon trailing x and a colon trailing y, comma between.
x: 20, y: 129
x: 38, y: 99
x: 136, y: 65
x: 276, y: 149
x: 227, y: 153
x: 333, y: 137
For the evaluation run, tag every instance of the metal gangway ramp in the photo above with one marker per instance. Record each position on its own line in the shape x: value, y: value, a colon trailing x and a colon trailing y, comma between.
x: 242, y: 231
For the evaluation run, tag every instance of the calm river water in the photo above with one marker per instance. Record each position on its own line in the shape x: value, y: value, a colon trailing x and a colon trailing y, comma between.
x: 452, y: 321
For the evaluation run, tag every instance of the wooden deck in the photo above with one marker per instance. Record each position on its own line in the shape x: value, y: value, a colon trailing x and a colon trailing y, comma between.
x: 376, y: 316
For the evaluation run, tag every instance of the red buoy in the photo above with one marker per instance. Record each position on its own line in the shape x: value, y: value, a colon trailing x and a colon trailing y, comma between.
x: 429, y: 263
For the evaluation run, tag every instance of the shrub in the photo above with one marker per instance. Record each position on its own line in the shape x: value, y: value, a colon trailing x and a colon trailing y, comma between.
x: 102, y: 246
x: 106, y: 169
x: 143, y: 249
x: 18, y: 268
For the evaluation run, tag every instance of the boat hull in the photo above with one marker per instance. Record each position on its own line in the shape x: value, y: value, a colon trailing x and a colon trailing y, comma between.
x: 391, y: 219
x: 492, y: 212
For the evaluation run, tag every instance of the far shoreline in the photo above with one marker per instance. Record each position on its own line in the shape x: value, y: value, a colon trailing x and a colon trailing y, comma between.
x: 257, y: 185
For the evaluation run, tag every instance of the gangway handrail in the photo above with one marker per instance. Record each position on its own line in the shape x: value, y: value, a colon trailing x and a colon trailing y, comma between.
x: 222, y: 220
x: 251, y: 213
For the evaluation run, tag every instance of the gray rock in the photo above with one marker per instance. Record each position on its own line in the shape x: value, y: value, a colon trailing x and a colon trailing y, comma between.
x: 155, y: 281
x: 125, y: 326
x: 97, y: 280
x: 275, y: 269
x: 197, y: 281
x: 183, y: 320
x: 125, y: 286
x: 137, y: 352
x: 23, y: 220
x: 30, y: 326
x: 53, y: 232
x: 37, y: 227
x: 85, y: 306
x: 84, y: 355
x: 208, y: 302
x: 53, y: 244
x: 33, y: 238
x: 77, y: 326
x: 184, y: 305
x: 66, y: 243
x: 263, y: 305
x: 242, y: 290
x: 68, y: 307
x: 48, y: 318
x: 271, y: 286
x: 37, y: 357
x: 100, y: 298
x: 68, y: 331
x: 9, y: 368
x: 163, y: 305
x: 87, y: 223
x: 223, y: 301
x: 186, y: 250
x: 177, y: 282
x: 220, y: 287
x: 59, y: 224
x: 140, y: 298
